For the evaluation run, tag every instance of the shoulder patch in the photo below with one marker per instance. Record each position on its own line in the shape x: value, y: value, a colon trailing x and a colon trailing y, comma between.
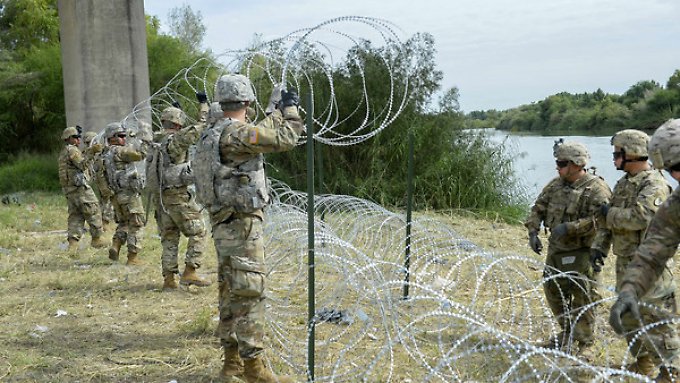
x: 252, y: 136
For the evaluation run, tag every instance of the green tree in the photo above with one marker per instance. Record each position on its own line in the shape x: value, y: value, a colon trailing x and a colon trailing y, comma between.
x: 187, y: 26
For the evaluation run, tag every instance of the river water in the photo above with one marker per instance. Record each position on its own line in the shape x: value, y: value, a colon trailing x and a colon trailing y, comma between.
x: 535, y: 166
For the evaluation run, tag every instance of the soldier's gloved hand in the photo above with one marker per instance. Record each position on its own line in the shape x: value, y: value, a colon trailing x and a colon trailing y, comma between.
x: 97, y: 148
x: 535, y: 242
x: 175, y: 103
x: 79, y: 129
x: 274, y: 99
x: 201, y: 97
x: 289, y: 98
x: 604, y: 210
x: 560, y: 230
x: 597, y: 259
x: 627, y: 302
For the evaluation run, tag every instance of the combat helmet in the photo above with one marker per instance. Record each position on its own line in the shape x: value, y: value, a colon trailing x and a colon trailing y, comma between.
x: 114, y: 128
x: 664, y: 146
x: 174, y: 115
x: 571, y: 151
x: 633, y: 142
x: 68, y: 132
x: 234, y: 88
x: 88, y: 137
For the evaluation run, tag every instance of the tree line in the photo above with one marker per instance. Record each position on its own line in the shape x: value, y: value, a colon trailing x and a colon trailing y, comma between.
x: 645, y: 105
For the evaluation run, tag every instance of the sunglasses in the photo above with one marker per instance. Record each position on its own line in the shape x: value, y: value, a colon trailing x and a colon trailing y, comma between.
x: 121, y: 135
x: 674, y: 168
x: 617, y: 155
x: 562, y: 163
x: 76, y: 136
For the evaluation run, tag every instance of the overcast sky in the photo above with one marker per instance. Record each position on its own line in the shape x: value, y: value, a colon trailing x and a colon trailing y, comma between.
x: 499, y: 53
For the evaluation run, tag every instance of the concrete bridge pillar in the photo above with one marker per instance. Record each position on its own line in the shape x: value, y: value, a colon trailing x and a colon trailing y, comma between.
x: 104, y: 59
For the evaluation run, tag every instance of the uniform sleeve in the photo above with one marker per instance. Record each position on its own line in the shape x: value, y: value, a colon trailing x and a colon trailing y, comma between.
x: 182, y: 140
x: 638, y: 216
x: 538, y: 210
x: 76, y: 157
x: 276, y: 133
x: 658, y: 246
x: 130, y: 154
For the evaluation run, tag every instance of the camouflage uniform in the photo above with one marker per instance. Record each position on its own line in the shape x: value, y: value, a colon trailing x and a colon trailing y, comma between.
x: 82, y: 202
x: 126, y: 184
x: 649, y: 273
x: 176, y: 208
x: 240, y: 192
x: 575, y: 205
x: 635, y: 201
x: 93, y: 161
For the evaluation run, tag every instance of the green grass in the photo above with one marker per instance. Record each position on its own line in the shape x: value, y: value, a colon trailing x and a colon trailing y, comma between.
x: 30, y: 172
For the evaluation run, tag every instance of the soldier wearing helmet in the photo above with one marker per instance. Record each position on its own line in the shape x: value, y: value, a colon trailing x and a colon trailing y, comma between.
x: 82, y: 202
x: 232, y: 185
x: 635, y: 199
x: 124, y: 184
x: 171, y: 182
x: 565, y: 208
x: 92, y: 152
x: 647, y: 278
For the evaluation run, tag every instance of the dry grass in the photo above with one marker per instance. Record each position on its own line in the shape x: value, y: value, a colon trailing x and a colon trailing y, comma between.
x: 119, y: 326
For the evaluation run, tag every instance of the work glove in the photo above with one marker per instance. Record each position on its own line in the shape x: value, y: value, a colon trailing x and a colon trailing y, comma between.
x: 627, y: 301
x: 79, y: 129
x: 597, y: 259
x: 201, y: 97
x: 289, y: 98
x: 560, y: 230
x: 535, y: 242
x: 604, y: 210
x: 96, y: 148
x: 175, y: 103
x: 274, y: 99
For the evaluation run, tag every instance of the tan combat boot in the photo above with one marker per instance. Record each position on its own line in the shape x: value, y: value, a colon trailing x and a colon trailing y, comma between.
x: 169, y: 282
x: 232, y: 367
x: 667, y: 375
x: 256, y: 372
x: 114, y: 250
x: 98, y: 242
x: 644, y: 365
x: 72, y: 244
x: 189, y: 277
x: 133, y: 259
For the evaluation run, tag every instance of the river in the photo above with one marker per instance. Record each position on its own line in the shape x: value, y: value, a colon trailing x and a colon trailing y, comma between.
x: 535, y: 165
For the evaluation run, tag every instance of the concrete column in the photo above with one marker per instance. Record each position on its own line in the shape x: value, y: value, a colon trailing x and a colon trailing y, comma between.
x: 104, y: 59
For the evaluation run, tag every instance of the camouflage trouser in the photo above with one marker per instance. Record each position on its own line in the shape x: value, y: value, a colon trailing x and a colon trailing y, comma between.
x: 240, y: 254
x: 108, y: 214
x: 130, y: 219
x: 661, y: 342
x: 175, y: 218
x: 83, y: 206
x: 568, y: 294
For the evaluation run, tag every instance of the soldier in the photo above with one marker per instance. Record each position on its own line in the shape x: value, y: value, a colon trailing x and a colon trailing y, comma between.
x: 176, y: 208
x: 92, y: 153
x: 647, y: 276
x: 82, y: 203
x: 567, y: 206
x: 231, y: 184
x: 636, y: 197
x: 126, y: 184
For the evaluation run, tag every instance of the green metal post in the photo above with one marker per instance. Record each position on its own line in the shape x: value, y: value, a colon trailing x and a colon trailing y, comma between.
x: 310, y: 239
x: 409, y: 208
